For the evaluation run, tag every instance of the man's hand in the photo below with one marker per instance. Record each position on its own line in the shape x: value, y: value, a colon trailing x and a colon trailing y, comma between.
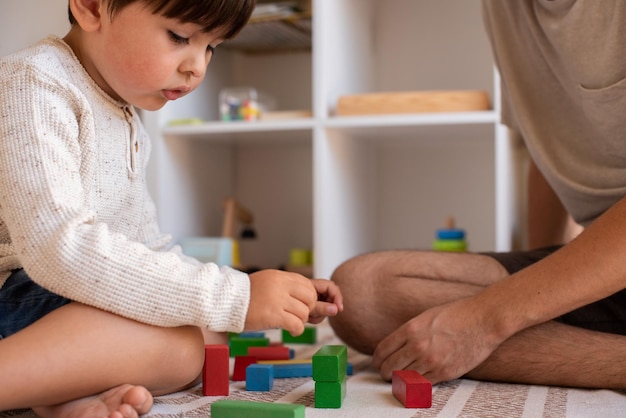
x: 442, y: 344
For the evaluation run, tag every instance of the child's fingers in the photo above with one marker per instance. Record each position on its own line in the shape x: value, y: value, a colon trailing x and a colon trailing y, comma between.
x: 293, y: 325
x: 323, y: 309
x: 328, y: 291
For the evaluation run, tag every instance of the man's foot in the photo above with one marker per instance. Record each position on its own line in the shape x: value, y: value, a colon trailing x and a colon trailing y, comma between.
x: 125, y: 401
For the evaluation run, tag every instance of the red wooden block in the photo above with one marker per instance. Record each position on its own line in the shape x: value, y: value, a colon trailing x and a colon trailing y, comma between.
x: 215, y: 372
x: 241, y: 363
x: 412, y: 389
x: 269, y: 353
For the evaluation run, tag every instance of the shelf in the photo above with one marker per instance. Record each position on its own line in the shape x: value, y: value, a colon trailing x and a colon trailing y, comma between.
x: 239, y: 127
x: 353, y: 124
x: 344, y: 185
x: 273, y: 34
x: 447, y: 118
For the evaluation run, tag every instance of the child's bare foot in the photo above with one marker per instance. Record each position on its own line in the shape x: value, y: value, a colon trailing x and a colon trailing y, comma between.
x: 125, y: 401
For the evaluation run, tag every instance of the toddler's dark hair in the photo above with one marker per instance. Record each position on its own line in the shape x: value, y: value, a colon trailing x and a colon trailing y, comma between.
x: 228, y: 15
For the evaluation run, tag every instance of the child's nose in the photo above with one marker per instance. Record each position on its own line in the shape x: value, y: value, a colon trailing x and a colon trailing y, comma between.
x: 196, y: 64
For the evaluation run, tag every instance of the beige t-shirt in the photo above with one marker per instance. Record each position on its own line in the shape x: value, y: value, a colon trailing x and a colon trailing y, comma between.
x: 563, y: 70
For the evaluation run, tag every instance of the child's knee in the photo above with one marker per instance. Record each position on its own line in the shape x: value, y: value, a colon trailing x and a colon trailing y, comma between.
x: 187, y: 353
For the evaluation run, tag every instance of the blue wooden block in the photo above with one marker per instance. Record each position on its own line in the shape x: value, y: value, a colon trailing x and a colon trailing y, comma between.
x: 293, y: 370
x: 260, y: 377
x: 252, y: 334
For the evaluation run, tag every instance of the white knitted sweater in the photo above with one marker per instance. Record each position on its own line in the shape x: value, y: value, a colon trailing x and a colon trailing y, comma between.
x: 74, y: 207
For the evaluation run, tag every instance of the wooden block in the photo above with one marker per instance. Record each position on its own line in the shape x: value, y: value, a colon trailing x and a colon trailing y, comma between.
x: 239, y: 346
x: 330, y: 363
x: 215, y: 373
x: 412, y: 102
x: 309, y: 336
x: 330, y: 394
x: 412, y: 389
x: 286, y: 370
x: 270, y: 353
x: 259, y: 377
x: 239, y: 369
x: 227, y: 408
x: 290, y: 361
x: 349, y: 368
x: 250, y: 334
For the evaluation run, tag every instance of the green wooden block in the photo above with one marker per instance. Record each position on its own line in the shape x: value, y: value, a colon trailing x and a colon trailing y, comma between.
x: 239, y: 346
x: 230, y: 408
x: 330, y: 363
x: 330, y: 394
x: 309, y: 336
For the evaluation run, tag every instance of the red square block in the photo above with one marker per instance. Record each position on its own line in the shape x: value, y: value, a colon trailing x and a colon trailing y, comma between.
x: 412, y: 389
x: 215, y: 373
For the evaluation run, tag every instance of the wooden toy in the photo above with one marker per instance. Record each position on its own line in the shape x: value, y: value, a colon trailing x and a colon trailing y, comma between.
x: 450, y: 238
x: 227, y: 408
x: 259, y: 377
x: 330, y: 394
x: 215, y: 372
x: 329, y: 372
x: 239, y: 346
x: 330, y: 363
x: 271, y: 352
x: 309, y: 336
x: 349, y: 368
x: 290, y: 361
x: 412, y: 102
x: 412, y: 389
x: 239, y: 369
x: 249, y: 334
x: 293, y: 370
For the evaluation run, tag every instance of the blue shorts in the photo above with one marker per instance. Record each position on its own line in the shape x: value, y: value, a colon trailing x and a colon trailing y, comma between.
x: 23, y: 302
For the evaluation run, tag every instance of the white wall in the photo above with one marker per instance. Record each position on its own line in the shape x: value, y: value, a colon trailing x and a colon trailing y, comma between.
x: 24, y: 22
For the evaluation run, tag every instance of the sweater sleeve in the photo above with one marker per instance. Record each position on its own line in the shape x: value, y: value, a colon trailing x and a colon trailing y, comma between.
x: 60, y: 240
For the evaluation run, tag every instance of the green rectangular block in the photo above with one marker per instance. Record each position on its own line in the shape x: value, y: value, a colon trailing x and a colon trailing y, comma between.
x: 330, y: 363
x: 330, y: 394
x: 230, y: 408
x: 309, y: 336
x: 239, y: 345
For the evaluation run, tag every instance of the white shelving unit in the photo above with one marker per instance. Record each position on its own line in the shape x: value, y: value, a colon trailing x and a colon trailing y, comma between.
x: 345, y: 185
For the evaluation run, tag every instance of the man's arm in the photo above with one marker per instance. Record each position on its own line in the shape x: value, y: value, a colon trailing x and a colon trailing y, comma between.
x: 447, y: 341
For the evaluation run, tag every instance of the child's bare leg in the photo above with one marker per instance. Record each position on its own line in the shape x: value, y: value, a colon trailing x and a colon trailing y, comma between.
x: 78, y: 351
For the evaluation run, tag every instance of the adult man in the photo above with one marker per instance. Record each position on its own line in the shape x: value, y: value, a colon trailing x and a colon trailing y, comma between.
x: 555, y: 317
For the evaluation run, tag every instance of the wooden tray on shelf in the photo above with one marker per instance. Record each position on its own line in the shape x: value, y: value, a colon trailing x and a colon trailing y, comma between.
x: 413, y: 102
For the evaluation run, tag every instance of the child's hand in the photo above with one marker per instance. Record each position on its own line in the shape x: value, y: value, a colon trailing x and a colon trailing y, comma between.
x: 279, y: 299
x: 329, y: 300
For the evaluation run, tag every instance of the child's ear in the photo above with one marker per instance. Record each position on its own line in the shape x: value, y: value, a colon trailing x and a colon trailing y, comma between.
x: 88, y: 13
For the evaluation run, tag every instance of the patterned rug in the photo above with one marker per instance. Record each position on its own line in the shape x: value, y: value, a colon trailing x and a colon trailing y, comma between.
x: 370, y: 397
